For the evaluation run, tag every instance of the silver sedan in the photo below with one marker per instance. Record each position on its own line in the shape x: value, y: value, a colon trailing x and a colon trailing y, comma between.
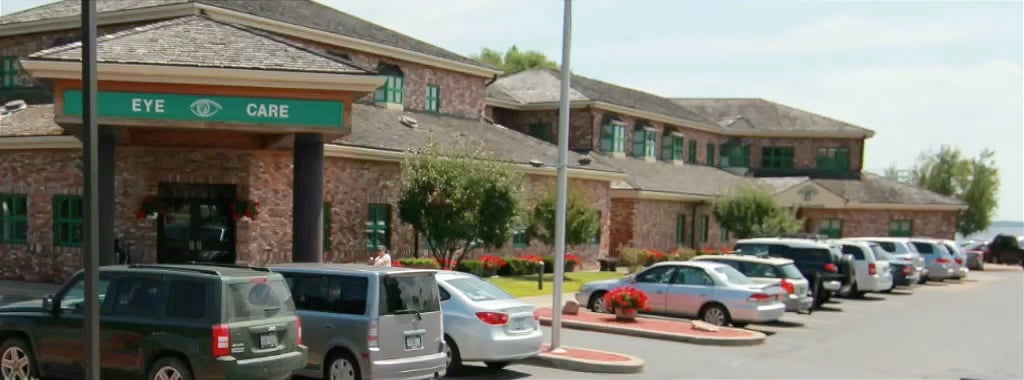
x: 716, y: 293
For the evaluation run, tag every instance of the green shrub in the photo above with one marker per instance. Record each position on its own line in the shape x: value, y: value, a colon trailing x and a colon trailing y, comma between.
x: 683, y: 254
x: 475, y: 267
x: 518, y: 267
x: 549, y: 265
x: 632, y: 258
x: 419, y: 263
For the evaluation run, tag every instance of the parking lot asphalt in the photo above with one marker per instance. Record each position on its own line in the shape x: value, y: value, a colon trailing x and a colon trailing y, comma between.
x: 953, y: 330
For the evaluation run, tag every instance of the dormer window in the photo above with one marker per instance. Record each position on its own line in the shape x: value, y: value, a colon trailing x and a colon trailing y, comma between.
x: 833, y: 159
x: 734, y: 155
x: 644, y: 141
x: 613, y: 137
x: 672, y: 146
x: 392, y: 93
x: 9, y: 72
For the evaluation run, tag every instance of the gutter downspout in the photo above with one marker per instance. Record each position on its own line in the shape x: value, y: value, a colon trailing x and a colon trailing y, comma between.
x: 490, y: 82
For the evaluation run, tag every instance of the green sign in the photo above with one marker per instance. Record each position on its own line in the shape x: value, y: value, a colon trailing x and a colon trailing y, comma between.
x: 201, y: 108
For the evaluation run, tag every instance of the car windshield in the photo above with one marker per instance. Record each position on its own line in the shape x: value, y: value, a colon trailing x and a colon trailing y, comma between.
x: 791, y: 272
x: 733, y: 276
x: 880, y: 253
x: 478, y: 290
x: 892, y: 247
x: 409, y: 293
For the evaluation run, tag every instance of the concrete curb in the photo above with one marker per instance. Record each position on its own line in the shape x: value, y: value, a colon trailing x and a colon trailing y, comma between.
x: 546, y: 359
x: 756, y: 338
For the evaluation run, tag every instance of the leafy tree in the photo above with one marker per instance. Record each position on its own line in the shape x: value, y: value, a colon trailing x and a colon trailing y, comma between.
x: 752, y: 211
x: 581, y: 220
x: 975, y: 181
x: 513, y: 60
x: 458, y: 199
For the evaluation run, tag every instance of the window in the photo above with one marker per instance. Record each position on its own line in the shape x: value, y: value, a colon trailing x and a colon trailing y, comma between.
x: 613, y: 138
x: 692, y: 158
x: 704, y: 226
x: 832, y: 228
x: 732, y: 276
x: 378, y: 226
x: 443, y: 294
x: 73, y: 300
x: 347, y: 294
x: 140, y: 296
x: 734, y: 156
x: 709, y: 157
x: 723, y: 233
x: 692, y: 276
x: 433, y: 99
x: 182, y: 302
x: 901, y: 228
x: 13, y: 218
x: 520, y: 237
x: 67, y: 221
x: 251, y: 300
x: 8, y: 72
x: 478, y: 290
x: 391, y: 92
x: 680, y: 229
x: 857, y: 253
x: 777, y: 157
x: 656, y: 275
x: 833, y: 159
x: 671, y: 147
x: 409, y: 293
x: 541, y: 131
x: 644, y: 142
x: 327, y: 227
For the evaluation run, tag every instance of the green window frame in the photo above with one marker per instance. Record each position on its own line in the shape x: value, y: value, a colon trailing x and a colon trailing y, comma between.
x: 433, y: 99
x: 9, y: 72
x: 705, y: 225
x: 378, y: 226
x: 835, y: 159
x: 13, y: 219
x: 833, y: 228
x: 540, y: 131
x: 67, y: 220
x: 709, y: 155
x: 681, y: 229
x: 644, y: 142
x: 723, y: 233
x: 613, y: 138
x: 392, y: 91
x: 671, y: 147
x: 327, y: 227
x: 777, y: 157
x: 901, y: 228
x: 520, y: 237
x: 734, y: 156
x: 692, y: 159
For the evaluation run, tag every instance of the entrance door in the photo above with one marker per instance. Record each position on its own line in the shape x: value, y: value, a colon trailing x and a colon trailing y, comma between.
x: 197, y: 225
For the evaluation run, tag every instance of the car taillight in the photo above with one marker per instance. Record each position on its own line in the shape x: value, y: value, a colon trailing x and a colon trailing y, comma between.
x: 298, y: 331
x: 787, y: 286
x: 942, y: 261
x: 492, y: 318
x: 960, y: 261
x: 906, y: 270
x: 908, y: 259
x: 831, y: 268
x: 872, y: 269
x: 220, y: 342
x: 371, y: 335
x: 759, y: 297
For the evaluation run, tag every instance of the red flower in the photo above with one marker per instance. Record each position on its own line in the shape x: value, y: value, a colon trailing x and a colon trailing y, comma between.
x: 532, y: 258
x: 396, y: 264
x: 573, y: 258
x: 492, y: 262
x: 626, y: 298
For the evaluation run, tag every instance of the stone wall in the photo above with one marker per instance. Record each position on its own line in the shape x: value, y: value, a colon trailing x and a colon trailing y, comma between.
x: 935, y: 224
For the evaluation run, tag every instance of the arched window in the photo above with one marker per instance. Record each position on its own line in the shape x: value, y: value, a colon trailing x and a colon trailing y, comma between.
x: 393, y: 90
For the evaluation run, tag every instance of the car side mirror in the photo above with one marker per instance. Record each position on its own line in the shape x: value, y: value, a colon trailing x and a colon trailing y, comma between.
x: 48, y: 304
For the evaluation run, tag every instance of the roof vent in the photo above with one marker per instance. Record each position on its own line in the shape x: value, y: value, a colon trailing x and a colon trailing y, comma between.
x: 13, y: 106
x: 408, y: 121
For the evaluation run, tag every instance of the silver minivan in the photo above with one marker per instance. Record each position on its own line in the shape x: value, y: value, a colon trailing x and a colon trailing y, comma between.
x: 366, y: 322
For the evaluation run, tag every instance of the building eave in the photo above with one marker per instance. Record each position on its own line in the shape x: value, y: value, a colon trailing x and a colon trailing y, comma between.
x: 39, y: 142
x: 903, y: 207
x: 658, y: 195
x: 360, y: 83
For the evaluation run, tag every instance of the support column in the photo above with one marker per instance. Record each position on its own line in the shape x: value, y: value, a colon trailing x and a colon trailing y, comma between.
x: 307, y: 198
x: 105, y: 168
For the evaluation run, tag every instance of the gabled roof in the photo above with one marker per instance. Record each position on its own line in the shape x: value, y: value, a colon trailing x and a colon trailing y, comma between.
x: 665, y: 177
x: 751, y: 114
x: 303, y: 13
x: 876, y: 189
x: 34, y: 120
x: 200, y: 42
x: 542, y: 86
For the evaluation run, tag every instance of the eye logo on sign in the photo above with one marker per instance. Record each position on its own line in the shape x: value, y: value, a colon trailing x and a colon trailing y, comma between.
x: 205, y: 107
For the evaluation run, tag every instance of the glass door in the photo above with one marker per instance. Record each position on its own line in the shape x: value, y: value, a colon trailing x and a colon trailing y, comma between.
x: 197, y: 225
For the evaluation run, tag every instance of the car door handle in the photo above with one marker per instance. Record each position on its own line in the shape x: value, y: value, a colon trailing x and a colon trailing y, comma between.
x: 328, y: 326
x: 703, y: 294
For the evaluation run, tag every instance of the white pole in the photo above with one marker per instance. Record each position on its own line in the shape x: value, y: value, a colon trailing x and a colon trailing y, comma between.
x: 562, y: 183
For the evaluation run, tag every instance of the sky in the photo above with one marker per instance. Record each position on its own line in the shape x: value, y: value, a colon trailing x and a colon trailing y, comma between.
x: 920, y: 74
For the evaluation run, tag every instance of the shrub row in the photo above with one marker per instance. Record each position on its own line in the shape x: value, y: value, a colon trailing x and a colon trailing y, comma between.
x: 487, y: 266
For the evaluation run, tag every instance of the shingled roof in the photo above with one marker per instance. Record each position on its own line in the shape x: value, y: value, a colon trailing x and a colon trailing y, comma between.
x: 873, y: 188
x: 538, y: 86
x: 305, y: 13
x: 746, y: 114
x: 200, y: 42
x: 34, y: 120
x: 696, y: 180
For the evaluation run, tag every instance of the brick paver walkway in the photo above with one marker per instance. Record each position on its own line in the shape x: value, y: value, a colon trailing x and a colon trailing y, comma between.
x: 651, y: 324
x: 580, y: 353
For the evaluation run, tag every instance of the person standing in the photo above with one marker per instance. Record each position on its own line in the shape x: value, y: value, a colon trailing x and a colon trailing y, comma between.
x: 383, y: 258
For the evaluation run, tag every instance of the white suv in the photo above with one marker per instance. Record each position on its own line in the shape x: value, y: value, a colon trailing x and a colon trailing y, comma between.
x: 871, y: 274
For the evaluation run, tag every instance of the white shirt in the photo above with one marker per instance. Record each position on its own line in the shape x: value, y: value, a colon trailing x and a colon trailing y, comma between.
x: 382, y: 261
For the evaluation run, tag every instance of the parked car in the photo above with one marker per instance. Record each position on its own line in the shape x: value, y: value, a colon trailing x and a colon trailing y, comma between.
x: 871, y: 273
x: 901, y: 250
x: 827, y: 269
x: 484, y: 323
x: 960, y: 269
x: 160, y: 322
x: 903, y: 273
x: 976, y: 252
x: 772, y: 270
x: 716, y: 293
x: 936, y: 258
x: 1006, y: 249
x: 368, y: 322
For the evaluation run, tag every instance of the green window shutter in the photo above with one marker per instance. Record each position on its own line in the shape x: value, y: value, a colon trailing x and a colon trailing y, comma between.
x: 607, y: 138
x: 433, y: 99
x: 833, y: 228
x: 680, y: 229
x: 67, y: 221
x: 378, y: 225
x: 709, y: 158
x: 901, y: 228
x: 541, y: 131
x: 14, y: 218
x: 677, y: 148
x: 692, y: 159
x: 833, y: 159
x: 666, y: 147
x: 639, y: 142
x: 327, y: 227
x: 777, y: 157
x: 8, y: 71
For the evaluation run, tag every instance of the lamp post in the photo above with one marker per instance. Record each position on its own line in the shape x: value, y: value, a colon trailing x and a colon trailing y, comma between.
x: 90, y: 175
x: 562, y: 183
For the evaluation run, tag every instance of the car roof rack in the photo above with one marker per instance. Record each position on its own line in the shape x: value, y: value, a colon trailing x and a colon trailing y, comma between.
x: 228, y: 265
x: 175, y: 268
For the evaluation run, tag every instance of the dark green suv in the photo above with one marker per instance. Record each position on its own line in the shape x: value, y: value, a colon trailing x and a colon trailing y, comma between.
x: 160, y: 322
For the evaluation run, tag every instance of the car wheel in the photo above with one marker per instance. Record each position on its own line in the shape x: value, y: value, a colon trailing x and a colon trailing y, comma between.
x: 715, y: 315
x: 342, y: 366
x: 451, y: 353
x: 18, y: 362
x: 496, y: 365
x: 169, y: 369
x: 597, y: 304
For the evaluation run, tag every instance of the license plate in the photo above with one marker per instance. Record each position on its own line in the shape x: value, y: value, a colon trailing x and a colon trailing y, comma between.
x: 413, y: 342
x: 522, y: 324
x: 268, y: 341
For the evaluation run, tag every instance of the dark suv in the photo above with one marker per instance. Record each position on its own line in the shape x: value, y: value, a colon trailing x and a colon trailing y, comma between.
x: 160, y: 322
x: 827, y: 270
